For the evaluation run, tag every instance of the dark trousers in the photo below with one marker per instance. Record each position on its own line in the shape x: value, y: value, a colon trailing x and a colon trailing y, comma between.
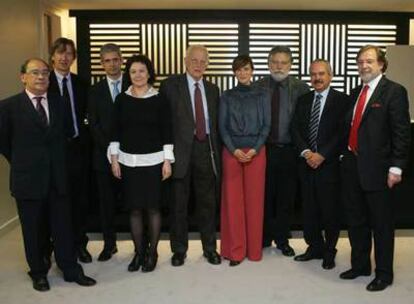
x: 39, y: 218
x: 200, y: 178
x: 280, y: 193
x: 320, y: 197
x: 108, y: 190
x: 368, y: 213
x: 78, y: 181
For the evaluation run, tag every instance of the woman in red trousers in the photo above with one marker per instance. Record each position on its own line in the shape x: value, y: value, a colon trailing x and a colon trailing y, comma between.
x: 244, y: 122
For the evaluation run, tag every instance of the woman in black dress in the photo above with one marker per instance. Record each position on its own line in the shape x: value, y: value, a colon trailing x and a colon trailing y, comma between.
x: 141, y: 154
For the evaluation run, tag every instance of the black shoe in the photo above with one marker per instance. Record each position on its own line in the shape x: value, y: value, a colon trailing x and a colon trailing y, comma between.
x: 107, y: 253
x: 150, y: 262
x: 234, y: 263
x: 377, y: 285
x: 178, y: 258
x: 136, y: 262
x: 307, y: 256
x: 41, y: 284
x: 82, y: 280
x: 286, y: 250
x: 328, y: 263
x: 353, y: 274
x: 212, y: 257
x: 84, y: 256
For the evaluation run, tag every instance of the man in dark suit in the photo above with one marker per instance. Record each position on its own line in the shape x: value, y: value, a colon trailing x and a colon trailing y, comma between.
x: 33, y: 141
x: 194, y: 104
x: 74, y: 94
x: 281, y: 165
x: 101, y: 107
x: 317, y: 133
x: 372, y: 165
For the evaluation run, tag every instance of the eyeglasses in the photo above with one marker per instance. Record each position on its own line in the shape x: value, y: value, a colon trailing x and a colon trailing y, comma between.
x: 198, y: 62
x: 37, y: 73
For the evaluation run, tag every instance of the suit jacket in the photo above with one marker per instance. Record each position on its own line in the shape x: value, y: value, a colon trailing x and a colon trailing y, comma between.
x: 383, y: 135
x: 330, y: 136
x: 296, y: 86
x: 100, y: 115
x: 175, y: 90
x: 36, y: 152
x: 80, y: 94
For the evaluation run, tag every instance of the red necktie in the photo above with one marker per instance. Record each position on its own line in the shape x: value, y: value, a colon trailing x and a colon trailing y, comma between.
x: 353, y: 135
x: 199, y: 114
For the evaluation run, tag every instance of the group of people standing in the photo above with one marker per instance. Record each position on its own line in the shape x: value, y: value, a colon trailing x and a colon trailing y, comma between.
x: 246, y: 148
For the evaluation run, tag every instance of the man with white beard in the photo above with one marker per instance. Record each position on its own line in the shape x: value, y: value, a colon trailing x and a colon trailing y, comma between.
x: 281, y: 166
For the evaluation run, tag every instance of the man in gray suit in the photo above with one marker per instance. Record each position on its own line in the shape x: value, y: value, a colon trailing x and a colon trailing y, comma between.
x: 281, y: 166
x: 194, y: 105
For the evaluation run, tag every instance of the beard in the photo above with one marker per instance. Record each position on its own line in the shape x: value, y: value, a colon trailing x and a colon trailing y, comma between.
x: 279, y: 76
x: 367, y: 76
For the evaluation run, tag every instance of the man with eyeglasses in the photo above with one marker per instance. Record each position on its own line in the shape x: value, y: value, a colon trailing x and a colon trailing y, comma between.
x: 281, y: 165
x: 374, y: 159
x: 101, y: 107
x: 32, y: 138
x: 74, y: 93
x: 194, y: 105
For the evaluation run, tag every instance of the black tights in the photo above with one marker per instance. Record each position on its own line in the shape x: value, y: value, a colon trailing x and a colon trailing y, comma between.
x: 141, y: 241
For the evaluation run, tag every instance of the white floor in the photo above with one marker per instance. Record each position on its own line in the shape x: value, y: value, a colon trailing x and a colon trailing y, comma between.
x: 276, y: 279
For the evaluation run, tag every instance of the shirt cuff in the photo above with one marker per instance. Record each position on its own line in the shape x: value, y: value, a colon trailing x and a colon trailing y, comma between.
x: 395, y: 170
x: 302, y: 154
x: 114, y: 148
x: 169, y: 153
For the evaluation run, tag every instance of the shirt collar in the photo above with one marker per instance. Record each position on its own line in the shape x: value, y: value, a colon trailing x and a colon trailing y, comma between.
x: 374, y: 82
x: 191, y: 81
x: 282, y: 83
x: 60, y: 76
x: 111, y: 81
x: 151, y: 92
x: 324, y: 93
x: 31, y: 95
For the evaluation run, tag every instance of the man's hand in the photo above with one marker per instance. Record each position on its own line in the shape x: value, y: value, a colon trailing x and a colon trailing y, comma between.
x: 393, y: 179
x: 314, y: 159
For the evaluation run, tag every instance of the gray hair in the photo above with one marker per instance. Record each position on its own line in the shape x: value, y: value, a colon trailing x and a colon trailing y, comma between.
x: 326, y: 62
x: 109, y: 48
x: 194, y: 47
x: 280, y: 49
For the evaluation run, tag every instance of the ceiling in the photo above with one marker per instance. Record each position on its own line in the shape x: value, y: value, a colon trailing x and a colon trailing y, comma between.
x: 338, y: 5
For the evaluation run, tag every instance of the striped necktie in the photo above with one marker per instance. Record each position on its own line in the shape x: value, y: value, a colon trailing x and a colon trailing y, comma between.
x: 314, y: 122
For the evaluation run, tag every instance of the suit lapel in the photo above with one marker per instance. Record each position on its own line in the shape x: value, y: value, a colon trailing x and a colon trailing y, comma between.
x: 28, y: 107
x: 185, y: 94
x: 209, y: 97
x: 374, y: 98
x: 328, y: 104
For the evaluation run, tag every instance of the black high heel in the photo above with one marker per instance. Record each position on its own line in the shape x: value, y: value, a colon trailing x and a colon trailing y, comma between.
x: 150, y: 262
x: 136, y: 262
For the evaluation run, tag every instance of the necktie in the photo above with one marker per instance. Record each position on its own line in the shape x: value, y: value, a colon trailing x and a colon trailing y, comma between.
x: 353, y: 135
x: 314, y: 122
x: 199, y: 114
x: 115, y: 90
x: 70, y: 126
x: 274, y: 130
x: 41, y: 110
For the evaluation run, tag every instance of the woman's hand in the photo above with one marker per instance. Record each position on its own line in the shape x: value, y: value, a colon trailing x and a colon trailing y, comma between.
x: 166, y: 169
x: 250, y: 154
x: 115, y: 167
x: 241, y: 156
